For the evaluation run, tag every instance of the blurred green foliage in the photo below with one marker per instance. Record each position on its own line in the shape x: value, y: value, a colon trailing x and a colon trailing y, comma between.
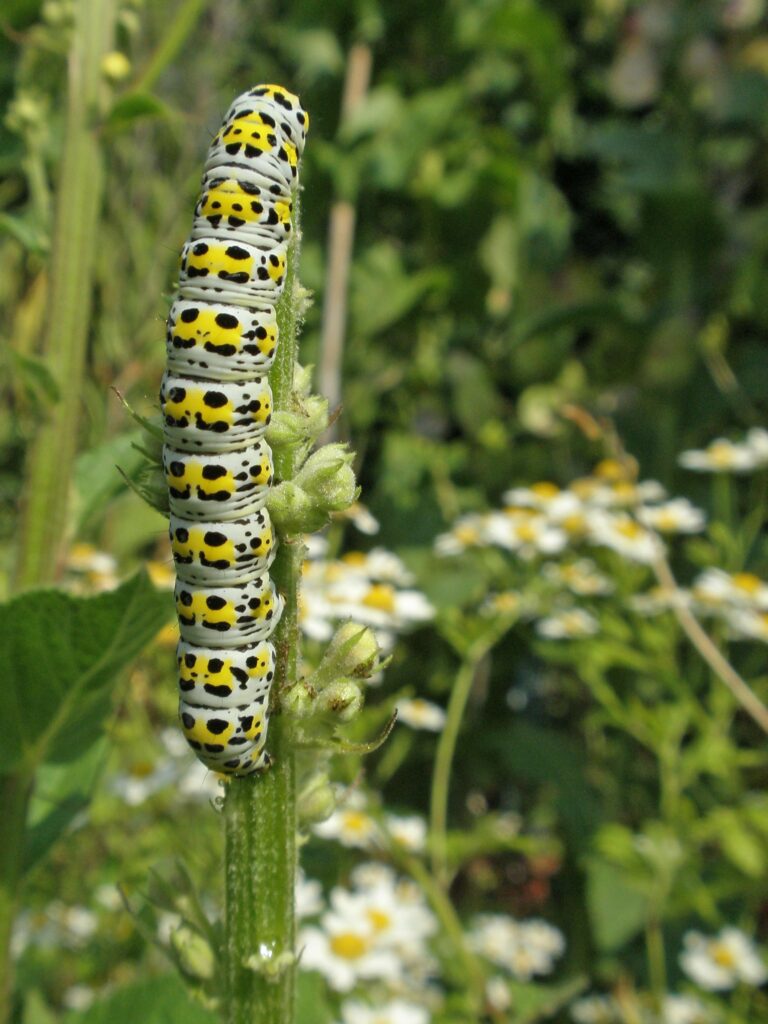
x: 558, y: 204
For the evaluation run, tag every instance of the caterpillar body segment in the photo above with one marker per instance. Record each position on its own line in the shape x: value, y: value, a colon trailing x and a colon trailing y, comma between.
x: 216, y: 403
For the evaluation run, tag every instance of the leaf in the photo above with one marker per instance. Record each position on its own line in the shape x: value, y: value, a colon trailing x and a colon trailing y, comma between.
x: 97, y: 479
x: 27, y: 234
x: 532, y: 1002
x: 61, y: 793
x: 133, y: 107
x: 617, y: 910
x: 311, y: 1003
x: 59, y: 656
x: 161, y: 1000
x: 38, y: 379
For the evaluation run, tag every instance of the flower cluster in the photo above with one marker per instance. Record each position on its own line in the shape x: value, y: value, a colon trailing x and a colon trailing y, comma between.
x: 724, y: 456
x: 374, y: 588
x: 524, y: 948
x: 375, y: 935
x: 352, y: 825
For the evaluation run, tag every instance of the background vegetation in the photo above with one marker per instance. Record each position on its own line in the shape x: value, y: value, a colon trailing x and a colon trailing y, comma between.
x: 561, y: 220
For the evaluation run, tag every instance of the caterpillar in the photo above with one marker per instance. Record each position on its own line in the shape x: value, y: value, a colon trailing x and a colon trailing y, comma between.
x: 216, y: 404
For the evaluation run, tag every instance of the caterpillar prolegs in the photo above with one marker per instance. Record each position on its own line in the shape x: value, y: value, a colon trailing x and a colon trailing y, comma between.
x: 216, y: 404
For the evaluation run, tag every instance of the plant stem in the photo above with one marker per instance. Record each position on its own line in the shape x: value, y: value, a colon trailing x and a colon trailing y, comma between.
x: 657, y: 968
x: 78, y: 198
x: 260, y: 812
x: 720, y: 665
x: 15, y: 791
x: 446, y: 747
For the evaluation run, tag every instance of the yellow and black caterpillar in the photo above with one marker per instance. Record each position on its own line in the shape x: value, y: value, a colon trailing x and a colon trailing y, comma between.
x: 216, y: 405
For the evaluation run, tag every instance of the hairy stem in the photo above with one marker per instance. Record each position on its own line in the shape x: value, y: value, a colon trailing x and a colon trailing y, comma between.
x: 79, y: 192
x: 260, y: 812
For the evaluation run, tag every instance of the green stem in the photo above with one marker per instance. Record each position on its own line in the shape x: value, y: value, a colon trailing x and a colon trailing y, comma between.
x: 260, y: 812
x: 79, y: 192
x: 657, y: 968
x: 15, y: 791
x: 175, y: 36
x: 446, y: 748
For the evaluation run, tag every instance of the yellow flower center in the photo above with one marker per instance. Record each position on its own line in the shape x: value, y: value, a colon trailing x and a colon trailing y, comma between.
x: 356, y: 821
x: 720, y: 454
x: 382, y: 597
x: 573, y: 524
x: 722, y: 956
x: 349, y: 946
x: 466, y: 534
x: 379, y: 919
x: 610, y: 469
x: 747, y: 581
x: 545, y: 490
x: 527, y: 532
x: 630, y: 529
x: 356, y: 558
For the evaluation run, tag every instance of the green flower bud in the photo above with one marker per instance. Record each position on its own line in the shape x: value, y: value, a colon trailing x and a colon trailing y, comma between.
x: 353, y: 651
x: 343, y: 699
x: 290, y: 428
x: 299, y: 701
x: 328, y: 477
x: 302, y: 379
x: 293, y: 511
x: 317, y: 800
x: 195, y: 955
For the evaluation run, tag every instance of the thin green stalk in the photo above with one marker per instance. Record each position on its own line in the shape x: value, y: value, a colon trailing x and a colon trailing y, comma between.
x: 15, y: 791
x: 78, y: 199
x: 446, y: 747
x: 260, y: 812
x: 657, y: 967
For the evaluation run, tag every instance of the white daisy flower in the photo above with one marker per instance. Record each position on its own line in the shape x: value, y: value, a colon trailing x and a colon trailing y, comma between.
x: 497, y: 993
x: 717, y: 588
x: 524, y: 948
x: 398, y: 1011
x: 581, y: 577
x: 362, y: 519
x: 676, y: 516
x: 757, y: 442
x: 721, y: 456
x: 309, y: 896
x: 410, y: 831
x: 346, y: 952
x: 525, y: 533
x: 467, y: 532
x: 570, y: 624
x: 624, y: 535
x: 748, y: 624
x: 684, y: 1010
x: 350, y: 824
x: 78, y: 997
x: 595, y: 1010
x: 421, y: 714
x: 719, y: 963
x: 395, y: 914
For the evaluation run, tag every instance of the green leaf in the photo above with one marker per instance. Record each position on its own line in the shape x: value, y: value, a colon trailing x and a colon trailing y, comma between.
x: 97, y: 478
x: 37, y: 378
x: 532, y: 1002
x: 617, y: 910
x: 26, y: 233
x: 61, y: 792
x: 161, y: 1000
x: 311, y: 1004
x: 133, y: 107
x: 59, y: 656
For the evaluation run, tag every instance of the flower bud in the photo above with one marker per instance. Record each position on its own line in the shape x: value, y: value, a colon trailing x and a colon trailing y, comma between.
x: 343, y: 699
x: 195, y: 955
x: 327, y: 476
x: 293, y: 511
x: 353, y: 651
x: 115, y: 66
x: 299, y: 701
x: 317, y: 800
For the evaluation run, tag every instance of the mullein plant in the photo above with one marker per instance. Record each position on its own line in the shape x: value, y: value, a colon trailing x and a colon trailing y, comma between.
x: 248, y: 969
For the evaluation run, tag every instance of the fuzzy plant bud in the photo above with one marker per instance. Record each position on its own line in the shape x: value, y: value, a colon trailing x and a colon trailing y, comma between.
x: 194, y: 954
x: 353, y: 651
x: 291, y: 428
x: 328, y: 478
x: 293, y: 511
x: 342, y: 700
x: 317, y: 800
x: 299, y: 701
